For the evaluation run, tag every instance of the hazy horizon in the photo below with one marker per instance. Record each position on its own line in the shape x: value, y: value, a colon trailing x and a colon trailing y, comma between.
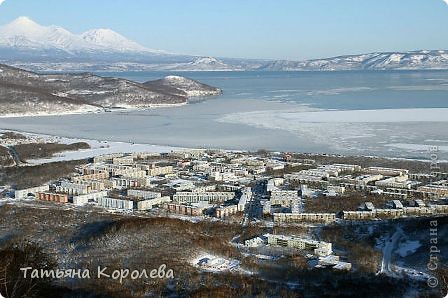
x: 294, y: 30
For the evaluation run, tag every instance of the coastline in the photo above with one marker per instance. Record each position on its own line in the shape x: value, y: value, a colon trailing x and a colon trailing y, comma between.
x: 102, y: 147
x: 94, y: 111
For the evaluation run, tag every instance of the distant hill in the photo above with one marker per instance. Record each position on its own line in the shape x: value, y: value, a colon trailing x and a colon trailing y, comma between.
x: 372, y: 61
x: 182, y: 86
x: 28, y: 93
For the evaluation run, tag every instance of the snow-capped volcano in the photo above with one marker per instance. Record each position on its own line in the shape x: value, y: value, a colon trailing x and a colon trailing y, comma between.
x: 110, y: 39
x: 25, y: 34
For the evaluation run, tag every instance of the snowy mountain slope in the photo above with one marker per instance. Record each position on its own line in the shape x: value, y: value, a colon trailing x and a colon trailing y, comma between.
x: 207, y: 63
x: 372, y: 61
x: 183, y: 86
x: 108, y: 39
x: 24, y: 33
x: 25, y: 93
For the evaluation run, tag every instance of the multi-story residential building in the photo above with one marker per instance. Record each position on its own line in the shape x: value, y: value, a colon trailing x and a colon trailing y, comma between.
x: 284, y: 198
x: 395, y: 182
x: 358, y: 215
x: 386, y: 171
x: 149, y: 203
x: 211, y: 197
x: 157, y: 171
x: 72, y: 188
x: 304, y: 217
x: 320, y: 248
x: 112, y: 203
x: 101, y: 175
x: 146, y: 194
x: 439, y: 190
x: 246, y: 196
x: 184, y: 209
x: 52, y: 197
x: 224, y: 211
x: 317, y: 173
x: 131, y: 182
x: 24, y: 193
x: 130, y: 173
x: 306, y: 179
x: 91, y: 197
x: 125, y: 160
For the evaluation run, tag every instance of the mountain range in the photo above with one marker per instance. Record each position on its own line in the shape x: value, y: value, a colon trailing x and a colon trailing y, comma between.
x: 26, y: 44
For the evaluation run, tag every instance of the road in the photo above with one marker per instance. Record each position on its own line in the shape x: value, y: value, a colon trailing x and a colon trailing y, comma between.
x: 254, y: 209
x: 389, y: 247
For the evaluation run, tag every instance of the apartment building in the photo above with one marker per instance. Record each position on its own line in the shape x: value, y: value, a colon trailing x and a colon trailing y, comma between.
x: 153, y: 170
x: 112, y: 203
x: 439, y: 190
x: 224, y: 211
x: 386, y: 171
x: 145, y: 194
x: 91, y: 197
x: 149, y: 203
x: 74, y: 189
x: 52, y: 197
x: 101, y: 175
x: 304, y: 217
x: 184, y: 209
x: 395, y: 182
x: 358, y: 215
x: 125, y: 160
x: 320, y: 248
x: 285, y: 198
x: 24, y: 193
x: 130, y: 182
x: 194, y: 197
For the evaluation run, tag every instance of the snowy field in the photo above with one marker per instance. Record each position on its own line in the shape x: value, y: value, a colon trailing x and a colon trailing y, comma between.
x: 97, y: 148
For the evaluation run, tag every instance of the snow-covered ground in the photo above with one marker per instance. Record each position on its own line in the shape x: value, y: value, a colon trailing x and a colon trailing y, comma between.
x: 408, y: 247
x: 97, y: 148
x: 216, y: 264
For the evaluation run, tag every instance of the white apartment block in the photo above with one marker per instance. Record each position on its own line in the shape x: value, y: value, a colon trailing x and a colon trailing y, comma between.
x: 126, y: 160
x: 112, y: 203
x: 148, y: 204
x: 303, y: 178
x: 317, y: 173
x: 91, y: 197
x: 386, y: 171
x: 320, y: 248
x: 304, y: 217
x: 153, y: 170
x: 131, y: 173
x: 24, y: 193
x: 195, y: 197
x: 74, y: 189
x: 395, y: 182
x: 131, y: 182
x: 204, y: 188
x: 145, y: 194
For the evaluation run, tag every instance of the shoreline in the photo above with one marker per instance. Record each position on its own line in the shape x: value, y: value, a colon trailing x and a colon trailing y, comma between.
x: 97, y: 111
x: 130, y: 147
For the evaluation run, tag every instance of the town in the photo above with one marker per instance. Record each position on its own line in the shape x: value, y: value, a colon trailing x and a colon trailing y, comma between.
x: 269, y: 189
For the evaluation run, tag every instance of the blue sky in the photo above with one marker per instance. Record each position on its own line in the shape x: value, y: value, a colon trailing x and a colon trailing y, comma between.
x: 279, y: 29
